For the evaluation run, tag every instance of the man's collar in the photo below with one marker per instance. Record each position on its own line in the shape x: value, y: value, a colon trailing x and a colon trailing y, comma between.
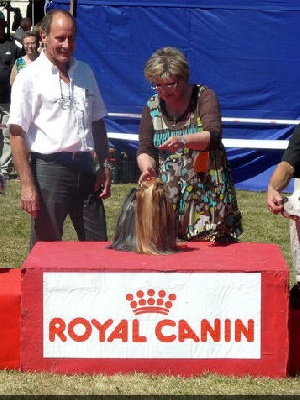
x: 72, y: 62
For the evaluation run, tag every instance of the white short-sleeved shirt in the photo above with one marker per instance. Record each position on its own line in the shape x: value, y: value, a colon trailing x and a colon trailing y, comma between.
x: 56, y: 116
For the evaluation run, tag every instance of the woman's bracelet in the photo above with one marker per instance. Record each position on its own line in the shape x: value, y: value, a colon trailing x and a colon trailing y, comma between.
x: 183, y: 142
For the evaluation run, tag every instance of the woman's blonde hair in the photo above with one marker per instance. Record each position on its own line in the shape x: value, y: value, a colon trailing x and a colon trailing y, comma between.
x: 166, y: 62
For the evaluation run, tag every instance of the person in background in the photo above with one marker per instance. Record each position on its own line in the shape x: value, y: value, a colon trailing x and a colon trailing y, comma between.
x: 25, y: 26
x: 180, y: 140
x: 37, y: 31
x: 56, y: 125
x: 17, y: 19
x: 288, y: 168
x: 2, y: 182
x: 35, y: 10
x: 9, y: 52
x: 30, y: 42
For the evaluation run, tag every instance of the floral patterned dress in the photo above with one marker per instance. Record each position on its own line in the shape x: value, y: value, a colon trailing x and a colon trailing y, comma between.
x: 20, y: 63
x: 199, y: 184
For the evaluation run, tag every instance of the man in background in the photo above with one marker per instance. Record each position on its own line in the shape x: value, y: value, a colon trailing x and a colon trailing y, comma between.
x: 287, y: 169
x: 25, y: 26
x: 9, y: 52
x: 2, y: 182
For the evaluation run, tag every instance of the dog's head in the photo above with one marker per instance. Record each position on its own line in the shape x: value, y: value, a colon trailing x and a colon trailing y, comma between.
x: 292, y: 204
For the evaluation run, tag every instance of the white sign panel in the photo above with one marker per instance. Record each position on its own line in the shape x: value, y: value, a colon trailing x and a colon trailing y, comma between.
x: 151, y: 315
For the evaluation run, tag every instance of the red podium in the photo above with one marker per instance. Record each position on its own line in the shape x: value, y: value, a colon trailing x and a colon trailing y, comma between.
x: 10, y: 315
x: 90, y: 309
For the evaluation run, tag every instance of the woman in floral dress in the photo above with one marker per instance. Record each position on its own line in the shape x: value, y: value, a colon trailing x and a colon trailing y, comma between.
x: 180, y: 140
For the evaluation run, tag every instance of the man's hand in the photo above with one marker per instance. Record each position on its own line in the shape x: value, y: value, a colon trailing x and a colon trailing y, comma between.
x: 30, y: 200
x: 102, y: 184
x: 274, y: 201
x: 278, y: 182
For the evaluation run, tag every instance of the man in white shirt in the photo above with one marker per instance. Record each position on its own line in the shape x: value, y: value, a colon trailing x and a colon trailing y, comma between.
x: 56, y: 117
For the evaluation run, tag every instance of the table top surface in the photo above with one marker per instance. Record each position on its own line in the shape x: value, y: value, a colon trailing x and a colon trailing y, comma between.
x: 196, y: 256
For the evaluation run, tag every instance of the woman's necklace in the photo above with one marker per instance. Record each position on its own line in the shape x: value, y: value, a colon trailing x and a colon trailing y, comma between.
x: 181, y: 113
x: 179, y: 117
x: 186, y: 114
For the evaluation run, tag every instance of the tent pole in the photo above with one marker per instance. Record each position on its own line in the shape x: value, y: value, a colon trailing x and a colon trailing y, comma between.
x: 72, y: 6
x: 32, y: 13
x: 8, y: 17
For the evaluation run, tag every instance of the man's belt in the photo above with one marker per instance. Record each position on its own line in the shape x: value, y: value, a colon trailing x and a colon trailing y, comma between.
x: 62, y: 156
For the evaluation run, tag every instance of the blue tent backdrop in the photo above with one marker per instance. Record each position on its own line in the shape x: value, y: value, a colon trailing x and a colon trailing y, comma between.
x: 247, y: 51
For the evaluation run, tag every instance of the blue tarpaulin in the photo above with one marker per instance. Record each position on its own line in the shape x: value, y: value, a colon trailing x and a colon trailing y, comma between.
x: 247, y: 51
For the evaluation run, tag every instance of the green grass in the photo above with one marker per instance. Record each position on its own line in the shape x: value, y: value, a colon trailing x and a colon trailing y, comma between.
x: 259, y: 226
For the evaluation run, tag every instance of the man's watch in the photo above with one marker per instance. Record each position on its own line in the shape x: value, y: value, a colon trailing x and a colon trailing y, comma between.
x: 102, y: 167
x: 107, y: 164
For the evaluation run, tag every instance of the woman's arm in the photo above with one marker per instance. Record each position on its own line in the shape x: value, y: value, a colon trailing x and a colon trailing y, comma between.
x: 13, y: 74
x: 208, y: 110
x: 147, y: 154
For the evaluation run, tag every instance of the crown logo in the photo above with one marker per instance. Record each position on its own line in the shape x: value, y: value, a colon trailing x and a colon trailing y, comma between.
x: 151, y: 301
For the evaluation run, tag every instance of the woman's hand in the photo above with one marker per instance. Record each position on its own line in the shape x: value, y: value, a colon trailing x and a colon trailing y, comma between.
x: 147, y: 174
x: 172, y: 144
